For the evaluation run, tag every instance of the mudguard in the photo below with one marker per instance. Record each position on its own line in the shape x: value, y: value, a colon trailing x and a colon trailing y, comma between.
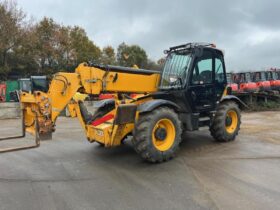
x: 241, y: 104
x: 153, y: 104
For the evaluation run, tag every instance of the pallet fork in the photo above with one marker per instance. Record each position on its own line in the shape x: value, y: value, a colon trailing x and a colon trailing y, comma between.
x: 35, y: 145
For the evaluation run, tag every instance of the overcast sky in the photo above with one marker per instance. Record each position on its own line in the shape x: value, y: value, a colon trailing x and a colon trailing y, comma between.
x: 248, y: 30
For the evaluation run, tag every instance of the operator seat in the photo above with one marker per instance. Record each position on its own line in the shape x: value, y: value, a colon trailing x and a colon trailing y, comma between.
x: 206, y: 77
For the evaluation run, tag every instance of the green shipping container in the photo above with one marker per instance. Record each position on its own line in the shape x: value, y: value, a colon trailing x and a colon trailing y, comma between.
x: 11, y: 85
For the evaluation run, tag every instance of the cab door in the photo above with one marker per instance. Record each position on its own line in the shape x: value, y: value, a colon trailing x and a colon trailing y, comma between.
x: 220, y: 81
x: 207, y: 81
x: 201, y: 90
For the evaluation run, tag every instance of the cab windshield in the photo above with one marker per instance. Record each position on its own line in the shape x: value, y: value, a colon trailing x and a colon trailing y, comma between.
x: 175, y: 69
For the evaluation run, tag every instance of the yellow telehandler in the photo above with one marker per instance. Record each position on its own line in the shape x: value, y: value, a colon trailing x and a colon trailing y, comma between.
x: 190, y: 92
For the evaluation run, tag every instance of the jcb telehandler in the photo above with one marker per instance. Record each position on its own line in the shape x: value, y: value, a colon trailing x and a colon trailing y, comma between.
x: 191, y: 92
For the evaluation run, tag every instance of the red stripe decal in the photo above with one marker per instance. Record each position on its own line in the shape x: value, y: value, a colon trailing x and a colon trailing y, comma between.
x: 102, y: 119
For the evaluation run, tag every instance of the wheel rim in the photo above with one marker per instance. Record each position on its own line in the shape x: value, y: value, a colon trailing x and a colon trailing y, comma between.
x: 164, y: 134
x: 231, y: 121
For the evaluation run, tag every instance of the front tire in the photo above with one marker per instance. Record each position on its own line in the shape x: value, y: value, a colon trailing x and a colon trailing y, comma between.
x: 226, y: 123
x: 157, y: 135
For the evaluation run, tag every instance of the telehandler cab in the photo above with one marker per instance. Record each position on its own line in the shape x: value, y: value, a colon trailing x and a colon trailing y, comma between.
x: 191, y: 92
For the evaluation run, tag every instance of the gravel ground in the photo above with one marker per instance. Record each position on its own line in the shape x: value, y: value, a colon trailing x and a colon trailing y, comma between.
x: 70, y: 173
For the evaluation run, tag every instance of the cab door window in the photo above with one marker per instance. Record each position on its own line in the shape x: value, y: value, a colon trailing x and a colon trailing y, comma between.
x: 202, y: 72
x: 220, y: 76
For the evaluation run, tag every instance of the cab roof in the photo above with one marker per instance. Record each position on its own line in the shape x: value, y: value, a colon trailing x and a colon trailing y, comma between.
x: 191, y: 45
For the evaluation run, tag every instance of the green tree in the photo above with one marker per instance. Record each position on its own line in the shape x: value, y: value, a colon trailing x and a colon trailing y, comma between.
x: 131, y: 55
x: 65, y: 57
x: 24, y: 55
x: 61, y: 47
x: 108, y: 55
x: 11, y: 34
x: 82, y: 48
x: 46, y: 46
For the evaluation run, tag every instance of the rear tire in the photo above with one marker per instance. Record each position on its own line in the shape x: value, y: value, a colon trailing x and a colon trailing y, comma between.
x: 157, y: 135
x: 226, y: 123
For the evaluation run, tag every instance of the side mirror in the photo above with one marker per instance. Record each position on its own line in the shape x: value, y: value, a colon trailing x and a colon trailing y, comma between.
x: 175, y: 79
